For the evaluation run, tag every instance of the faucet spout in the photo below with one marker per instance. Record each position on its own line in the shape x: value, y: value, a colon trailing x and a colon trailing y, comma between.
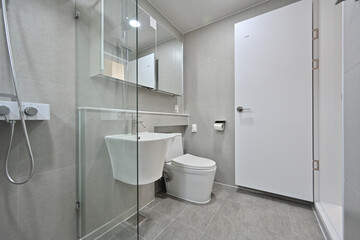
x: 134, y: 124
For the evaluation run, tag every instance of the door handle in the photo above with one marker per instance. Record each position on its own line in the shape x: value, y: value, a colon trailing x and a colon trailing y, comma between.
x: 242, y: 109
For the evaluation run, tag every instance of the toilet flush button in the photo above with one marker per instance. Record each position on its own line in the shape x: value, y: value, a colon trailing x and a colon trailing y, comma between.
x: 194, y: 128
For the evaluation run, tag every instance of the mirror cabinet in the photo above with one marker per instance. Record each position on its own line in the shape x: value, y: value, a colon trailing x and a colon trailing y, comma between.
x: 113, y: 48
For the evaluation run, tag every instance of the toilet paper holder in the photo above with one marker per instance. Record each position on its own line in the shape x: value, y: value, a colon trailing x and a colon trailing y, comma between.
x: 219, y: 125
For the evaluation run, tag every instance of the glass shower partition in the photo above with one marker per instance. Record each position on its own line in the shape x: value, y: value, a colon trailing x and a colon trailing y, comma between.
x: 106, y: 52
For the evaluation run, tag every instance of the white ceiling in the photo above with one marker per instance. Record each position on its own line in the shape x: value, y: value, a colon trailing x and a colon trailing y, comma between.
x: 188, y: 15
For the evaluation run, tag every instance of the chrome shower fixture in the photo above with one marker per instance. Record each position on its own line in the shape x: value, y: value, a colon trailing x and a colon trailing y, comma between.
x: 19, y: 103
x: 4, y: 110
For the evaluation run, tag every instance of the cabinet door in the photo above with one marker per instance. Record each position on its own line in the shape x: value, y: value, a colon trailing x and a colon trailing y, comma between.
x: 146, y: 71
x: 146, y: 68
x: 170, y: 69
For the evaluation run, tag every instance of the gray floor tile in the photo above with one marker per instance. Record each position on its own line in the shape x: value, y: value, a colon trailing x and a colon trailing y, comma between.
x: 126, y: 234
x: 171, y: 207
x: 276, y: 224
x: 198, y: 215
x: 249, y: 232
x: 239, y: 213
x: 219, y: 188
x: 156, y: 201
x: 110, y: 235
x: 302, y: 213
x: 106, y: 237
x: 222, y: 228
x: 306, y: 230
x: 272, y: 208
x: 179, y: 231
x: 230, y: 215
x: 240, y: 197
x: 153, y: 223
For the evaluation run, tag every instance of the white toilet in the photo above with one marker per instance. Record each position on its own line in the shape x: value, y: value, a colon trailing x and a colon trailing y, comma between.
x: 191, y: 177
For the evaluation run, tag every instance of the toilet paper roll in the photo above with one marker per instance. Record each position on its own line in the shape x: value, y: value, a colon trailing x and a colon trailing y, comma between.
x: 219, y: 126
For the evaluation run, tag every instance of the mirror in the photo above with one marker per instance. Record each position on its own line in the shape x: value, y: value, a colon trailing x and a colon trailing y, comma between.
x: 168, y: 51
x: 113, y: 38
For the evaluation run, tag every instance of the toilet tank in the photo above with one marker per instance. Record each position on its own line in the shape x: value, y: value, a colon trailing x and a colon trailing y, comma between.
x: 176, y: 149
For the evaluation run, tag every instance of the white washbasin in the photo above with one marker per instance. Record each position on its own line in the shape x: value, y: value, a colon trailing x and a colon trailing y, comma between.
x: 152, y: 153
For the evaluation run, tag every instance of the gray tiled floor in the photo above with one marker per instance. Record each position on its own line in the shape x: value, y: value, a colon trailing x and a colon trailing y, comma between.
x: 231, y: 214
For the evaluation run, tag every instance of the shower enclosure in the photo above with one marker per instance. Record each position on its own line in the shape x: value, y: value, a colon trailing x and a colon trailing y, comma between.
x: 329, y: 174
x: 106, y: 45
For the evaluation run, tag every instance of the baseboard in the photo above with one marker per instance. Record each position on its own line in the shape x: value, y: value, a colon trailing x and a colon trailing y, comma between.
x: 321, y: 223
x: 328, y: 228
x: 225, y: 184
x: 110, y: 225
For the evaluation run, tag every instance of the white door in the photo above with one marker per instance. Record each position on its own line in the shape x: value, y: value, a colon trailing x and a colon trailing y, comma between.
x: 273, y: 85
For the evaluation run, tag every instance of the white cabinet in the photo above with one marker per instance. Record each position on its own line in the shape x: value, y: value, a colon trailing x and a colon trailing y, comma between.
x: 146, y: 71
x: 170, y: 67
x: 114, y: 48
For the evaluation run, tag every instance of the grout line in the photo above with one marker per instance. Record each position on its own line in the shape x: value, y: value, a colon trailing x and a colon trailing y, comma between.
x: 227, y: 185
x: 154, y: 205
x: 172, y: 220
x: 216, y: 212
x: 146, y: 205
x: 115, y: 226
x: 209, y: 222
x: 160, y: 213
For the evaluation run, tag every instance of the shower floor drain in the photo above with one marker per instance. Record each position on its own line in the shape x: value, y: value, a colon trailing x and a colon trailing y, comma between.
x: 133, y: 219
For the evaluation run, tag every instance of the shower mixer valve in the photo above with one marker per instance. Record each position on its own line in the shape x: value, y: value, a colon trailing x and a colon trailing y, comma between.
x: 9, y: 110
x: 4, y: 110
x: 30, y: 111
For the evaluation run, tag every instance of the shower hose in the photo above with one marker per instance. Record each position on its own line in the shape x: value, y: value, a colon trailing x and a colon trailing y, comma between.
x: 21, y: 112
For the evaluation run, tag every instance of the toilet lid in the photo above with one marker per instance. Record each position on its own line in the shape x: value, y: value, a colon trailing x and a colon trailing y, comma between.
x: 193, y: 162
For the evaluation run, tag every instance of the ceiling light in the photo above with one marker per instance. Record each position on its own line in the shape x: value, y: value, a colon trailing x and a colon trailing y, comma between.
x: 134, y: 23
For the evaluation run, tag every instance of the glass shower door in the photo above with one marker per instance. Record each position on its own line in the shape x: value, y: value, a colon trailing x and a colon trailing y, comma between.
x: 106, y: 51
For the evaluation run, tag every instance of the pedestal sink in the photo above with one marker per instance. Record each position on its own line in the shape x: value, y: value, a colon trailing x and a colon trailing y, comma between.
x: 152, y: 153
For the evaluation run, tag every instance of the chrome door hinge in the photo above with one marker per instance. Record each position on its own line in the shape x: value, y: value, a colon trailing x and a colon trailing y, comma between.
x: 316, y: 165
x: 315, y: 34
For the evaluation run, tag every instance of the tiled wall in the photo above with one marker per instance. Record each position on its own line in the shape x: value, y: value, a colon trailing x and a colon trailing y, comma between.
x: 209, y: 89
x: 43, y: 35
x: 352, y: 118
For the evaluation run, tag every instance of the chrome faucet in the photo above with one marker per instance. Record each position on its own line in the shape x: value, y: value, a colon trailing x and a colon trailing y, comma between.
x: 134, y: 123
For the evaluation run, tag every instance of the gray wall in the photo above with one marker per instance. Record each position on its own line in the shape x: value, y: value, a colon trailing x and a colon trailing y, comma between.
x: 209, y: 89
x: 43, y: 36
x: 352, y: 118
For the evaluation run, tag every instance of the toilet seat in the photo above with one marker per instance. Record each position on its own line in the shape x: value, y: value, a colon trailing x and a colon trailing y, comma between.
x: 193, y: 162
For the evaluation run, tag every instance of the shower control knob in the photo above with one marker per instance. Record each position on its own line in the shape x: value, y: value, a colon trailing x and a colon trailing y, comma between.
x: 4, y: 110
x: 30, y: 111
